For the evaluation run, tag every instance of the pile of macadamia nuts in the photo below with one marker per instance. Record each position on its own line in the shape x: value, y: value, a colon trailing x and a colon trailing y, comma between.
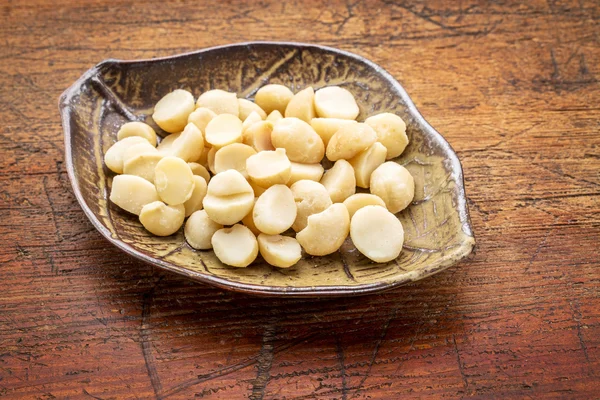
x: 245, y: 174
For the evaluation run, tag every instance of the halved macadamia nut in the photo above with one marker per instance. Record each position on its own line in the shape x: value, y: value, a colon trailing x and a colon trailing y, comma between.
x: 327, y: 127
x: 233, y: 156
x: 335, y: 102
x: 274, y: 116
x: 137, y: 150
x: 311, y: 198
x: 194, y: 203
x: 394, y: 184
x: 235, y: 246
x: 210, y: 159
x: 113, y: 158
x: 279, y: 251
x: 251, y: 119
x: 313, y: 172
x: 391, y: 132
x: 268, y: 168
x: 220, y: 102
x: 340, y: 181
x: 161, y: 219
x: 366, y: 162
x: 247, y: 107
x: 299, y: 139
x: 189, y: 145
x: 360, y: 200
x: 137, y: 128
x: 174, y: 180
x: 350, y: 140
x: 201, y: 117
x: 172, y: 111
x: 224, y: 129
x: 200, y: 170
x: 164, y: 147
x: 248, y: 221
x: 273, y: 97
x: 258, y: 135
x: 275, y: 210
x: 302, y: 105
x: 132, y: 193
x: 142, y: 165
x: 199, y: 230
x: 229, y: 197
x: 326, y: 231
x: 377, y: 233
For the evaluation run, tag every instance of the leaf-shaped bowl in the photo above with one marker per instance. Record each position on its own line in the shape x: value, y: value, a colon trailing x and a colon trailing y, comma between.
x: 437, y: 227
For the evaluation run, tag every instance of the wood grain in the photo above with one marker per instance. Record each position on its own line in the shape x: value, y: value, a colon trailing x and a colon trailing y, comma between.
x: 513, y: 87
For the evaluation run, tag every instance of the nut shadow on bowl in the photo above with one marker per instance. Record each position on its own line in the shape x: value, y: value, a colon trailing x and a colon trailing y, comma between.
x: 437, y: 227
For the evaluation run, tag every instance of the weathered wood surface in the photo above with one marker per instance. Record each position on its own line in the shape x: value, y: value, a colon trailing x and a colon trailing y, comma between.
x: 513, y: 87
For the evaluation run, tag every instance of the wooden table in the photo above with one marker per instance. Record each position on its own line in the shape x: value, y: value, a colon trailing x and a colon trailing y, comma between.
x: 514, y: 88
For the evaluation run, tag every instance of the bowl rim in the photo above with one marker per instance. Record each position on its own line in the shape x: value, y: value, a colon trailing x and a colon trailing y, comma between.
x: 462, y: 251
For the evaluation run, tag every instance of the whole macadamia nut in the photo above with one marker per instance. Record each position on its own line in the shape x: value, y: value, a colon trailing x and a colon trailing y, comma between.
x: 394, y: 184
x: 326, y: 231
x: 377, y: 233
x: 172, y: 111
x: 235, y: 246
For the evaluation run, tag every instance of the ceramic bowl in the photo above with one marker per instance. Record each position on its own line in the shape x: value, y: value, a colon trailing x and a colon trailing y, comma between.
x: 437, y: 227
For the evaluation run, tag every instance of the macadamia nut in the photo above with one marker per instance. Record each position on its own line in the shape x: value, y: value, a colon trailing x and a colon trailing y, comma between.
x: 299, y: 139
x: 174, y: 180
x: 274, y: 116
x: 350, y: 140
x: 235, y: 246
x: 220, y: 102
x: 199, y: 230
x: 251, y: 119
x: 302, y: 105
x: 273, y: 97
x: 335, y: 102
x: 275, y: 210
x: 311, y: 198
x: 394, y: 184
x: 201, y: 117
x: 360, y: 200
x: 136, y: 150
x: 247, y: 107
x: 391, y: 132
x: 365, y: 162
x: 327, y: 127
x: 229, y: 197
x: 279, y: 251
x: 340, y: 181
x: 137, y: 129
x: 113, y: 158
x: 258, y: 135
x: 326, y: 231
x: 313, y: 172
x: 200, y: 170
x: 268, y: 168
x: 132, y: 193
x: 189, y: 145
x: 194, y: 203
x: 161, y: 219
x: 233, y: 156
x: 224, y: 129
x: 172, y: 111
x: 142, y: 165
x: 164, y: 147
x: 377, y: 233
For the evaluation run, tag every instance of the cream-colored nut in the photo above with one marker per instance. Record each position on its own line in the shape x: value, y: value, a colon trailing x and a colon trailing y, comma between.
x: 164, y: 147
x: 299, y: 139
x: 229, y: 197
x: 377, y: 233
x: 247, y: 107
x: 203, y: 160
x: 313, y: 172
x: 174, y: 180
x: 273, y: 97
x: 113, y: 158
x: 258, y: 135
x: 131, y: 193
x: 248, y: 221
x: 161, y: 219
x: 279, y: 251
x: 189, y: 145
x: 210, y: 159
x: 394, y: 184
x: 224, y: 129
x: 360, y: 200
x: 137, y: 128
x: 142, y: 165
x: 251, y: 119
x: 275, y: 210
x: 136, y: 150
x: 326, y: 231
x: 199, y: 230
x: 327, y: 127
x: 274, y: 116
x: 391, y: 132
x: 258, y: 190
x: 233, y: 156
x: 172, y: 111
x: 201, y: 117
x: 365, y: 162
x: 340, y: 181
x: 268, y: 168
x: 335, y: 102
x: 200, y: 170
x: 235, y: 246
x: 194, y: 203
x: 350, y: 140
x: 311, y: 198
x: 302, y: 105
x: 220, y: 102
